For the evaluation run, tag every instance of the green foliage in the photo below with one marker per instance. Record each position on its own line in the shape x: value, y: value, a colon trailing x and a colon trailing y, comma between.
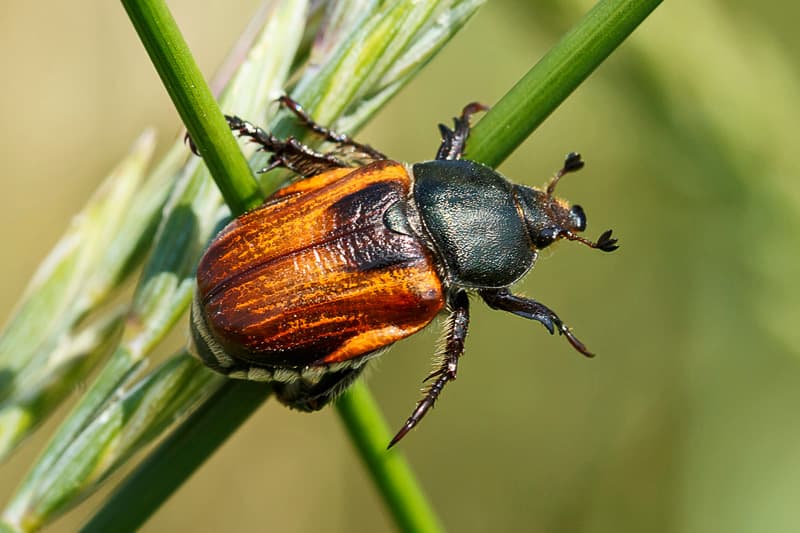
x: 684, y: 421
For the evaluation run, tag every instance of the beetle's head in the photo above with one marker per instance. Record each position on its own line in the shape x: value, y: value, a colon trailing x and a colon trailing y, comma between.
x: 549, y: 219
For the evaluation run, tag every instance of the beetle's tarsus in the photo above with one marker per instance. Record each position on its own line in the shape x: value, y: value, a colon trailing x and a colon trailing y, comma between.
x: 423, y: 406
x: 503, y: 300
x: 365, y: 151
x: 454, y: 348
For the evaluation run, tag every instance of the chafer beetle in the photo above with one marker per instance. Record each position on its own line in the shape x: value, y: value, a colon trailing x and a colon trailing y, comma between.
x: 304, y: 290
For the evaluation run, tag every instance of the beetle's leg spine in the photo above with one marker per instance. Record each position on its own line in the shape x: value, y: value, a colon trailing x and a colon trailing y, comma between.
x: 331, y: 136
x: 503, y: 300
x: 454, y: 348
x: 454, y: 141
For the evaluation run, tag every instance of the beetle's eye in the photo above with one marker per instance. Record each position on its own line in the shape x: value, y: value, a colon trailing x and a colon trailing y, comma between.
x: 546, y: 237
x: 578, y: 218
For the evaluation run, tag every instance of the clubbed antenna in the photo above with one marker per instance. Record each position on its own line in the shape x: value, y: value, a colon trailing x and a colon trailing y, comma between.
x: 604, y: 243
x: 572, y: 163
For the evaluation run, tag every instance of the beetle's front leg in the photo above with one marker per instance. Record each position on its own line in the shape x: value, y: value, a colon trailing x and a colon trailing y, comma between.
x: 455, y: 141
x: 457, y: 325
x: 532, y: 310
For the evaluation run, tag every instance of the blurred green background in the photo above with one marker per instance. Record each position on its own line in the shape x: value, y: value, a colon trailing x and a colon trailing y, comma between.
x: 686, y: 420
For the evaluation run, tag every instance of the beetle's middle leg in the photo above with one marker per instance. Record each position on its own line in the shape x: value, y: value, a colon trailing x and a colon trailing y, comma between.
x: 532, y: 310
x: 454, y: 348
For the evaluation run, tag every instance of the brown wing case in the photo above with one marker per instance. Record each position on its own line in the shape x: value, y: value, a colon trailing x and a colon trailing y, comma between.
x: 314, y: 276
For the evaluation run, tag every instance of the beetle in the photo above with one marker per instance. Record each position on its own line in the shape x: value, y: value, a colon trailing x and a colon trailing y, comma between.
x: 304, y: 290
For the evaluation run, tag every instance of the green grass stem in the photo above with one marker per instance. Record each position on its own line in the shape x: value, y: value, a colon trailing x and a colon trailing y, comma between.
x: 579, y: 52
x: 195, y: 103
x: 369, y: 432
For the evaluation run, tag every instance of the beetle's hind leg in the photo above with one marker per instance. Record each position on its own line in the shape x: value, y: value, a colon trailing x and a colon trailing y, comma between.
x: 454, y: 348
x: 454, y: 141
x: 532, y: 310
x: 289, y: 153
x: 343, y: 141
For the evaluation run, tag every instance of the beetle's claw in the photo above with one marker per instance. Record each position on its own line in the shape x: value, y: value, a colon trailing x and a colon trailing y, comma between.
x: 472, y: 108
x: 402, y: 433
x: 422, y: 408
x: 565, y: 330
x: 187, y: 139
x: 574, y: 341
